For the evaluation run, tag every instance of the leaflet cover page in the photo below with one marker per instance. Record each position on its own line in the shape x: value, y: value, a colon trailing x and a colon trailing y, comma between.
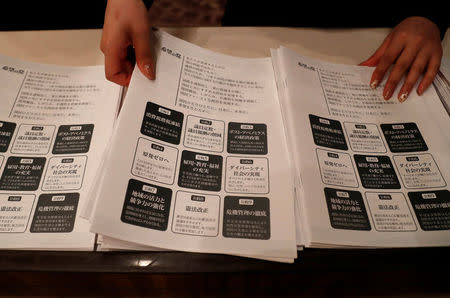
x: 199, y: 159
x: 374, y: 172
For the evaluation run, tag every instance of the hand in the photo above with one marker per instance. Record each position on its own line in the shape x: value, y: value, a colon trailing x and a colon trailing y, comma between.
x: 413, y: 47
x: 126, y: 27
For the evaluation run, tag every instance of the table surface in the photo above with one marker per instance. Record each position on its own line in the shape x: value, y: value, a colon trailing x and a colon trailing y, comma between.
x: 81, y: 47
x: 418, y: 269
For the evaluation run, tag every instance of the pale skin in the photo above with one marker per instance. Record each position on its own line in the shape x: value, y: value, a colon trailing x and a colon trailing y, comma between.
x: 413, y: 49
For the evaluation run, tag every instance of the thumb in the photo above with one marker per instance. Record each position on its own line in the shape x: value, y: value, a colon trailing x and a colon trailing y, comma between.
x: 144, y: 53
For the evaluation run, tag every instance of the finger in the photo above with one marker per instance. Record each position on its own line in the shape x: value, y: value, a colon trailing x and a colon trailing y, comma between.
x: 118, y: 68
x: 102, y: 42
x: 388, y: 58
x: 144, y: 53
x: 432, y: 70
x: 402, y: 64
x: 414, y: 73
x: 375, y: 58
x: 104, y: 38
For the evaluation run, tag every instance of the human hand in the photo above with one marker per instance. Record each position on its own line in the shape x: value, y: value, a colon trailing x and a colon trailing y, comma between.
x: 126, y: 27
x: 414, y: 48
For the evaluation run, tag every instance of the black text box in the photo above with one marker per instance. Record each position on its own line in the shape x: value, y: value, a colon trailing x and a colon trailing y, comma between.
x: 246, y: 217
x: 72, y: 139
x: 432, y: 209
x: 6, y: 133
x: 22, y: 173
x: 403, y: 137
x: 376, y: 172
x: 162, y: 123
x: 327, y: 133
x: 200, y: 171
x: 346, y: 209
x: 55, y: 213
x: 146, y: 205
x: 247, y: 138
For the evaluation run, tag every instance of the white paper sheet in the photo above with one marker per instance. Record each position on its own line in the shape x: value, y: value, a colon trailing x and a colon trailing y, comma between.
x: 54, y: 125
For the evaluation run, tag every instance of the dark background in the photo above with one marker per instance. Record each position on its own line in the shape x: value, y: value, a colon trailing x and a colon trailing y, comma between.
x: 47, y: 15
x: 89, y: 14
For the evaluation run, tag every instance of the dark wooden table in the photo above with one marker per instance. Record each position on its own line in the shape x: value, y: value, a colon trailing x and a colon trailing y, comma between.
x: 417, y: 272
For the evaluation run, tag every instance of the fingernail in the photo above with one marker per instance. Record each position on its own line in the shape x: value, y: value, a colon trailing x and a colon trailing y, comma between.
x: 149, y: 70
x: 387, y: 94
x: 403, y: 97
x: 419, y: 91
x: 374, y: 84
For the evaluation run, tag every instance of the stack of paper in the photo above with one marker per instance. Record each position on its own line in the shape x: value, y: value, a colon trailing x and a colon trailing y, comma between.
x: 198, y: 160
x: 373, y: 173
